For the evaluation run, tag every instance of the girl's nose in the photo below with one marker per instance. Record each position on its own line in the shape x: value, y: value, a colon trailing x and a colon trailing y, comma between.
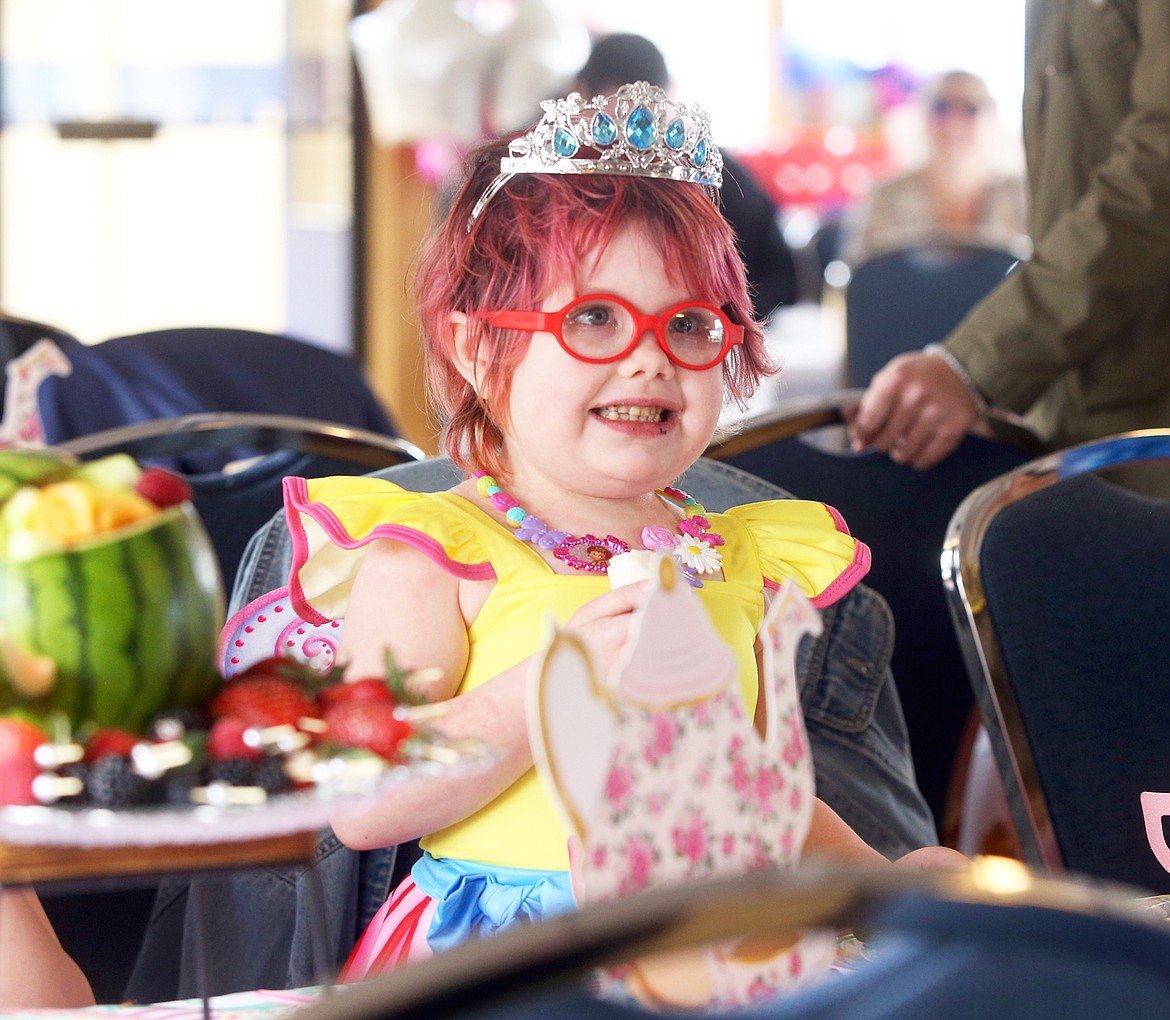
x: 648, y: 358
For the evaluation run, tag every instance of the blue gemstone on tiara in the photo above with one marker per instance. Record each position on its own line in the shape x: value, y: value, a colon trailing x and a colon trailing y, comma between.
x: 565, y: 143
x: 604, y: 129
x: 676, y: 134
x: 640, y: 130
x: 701, y: 152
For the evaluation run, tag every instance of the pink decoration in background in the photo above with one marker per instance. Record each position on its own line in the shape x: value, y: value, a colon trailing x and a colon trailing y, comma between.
x: 1155, y: 806
x: 21, y: 424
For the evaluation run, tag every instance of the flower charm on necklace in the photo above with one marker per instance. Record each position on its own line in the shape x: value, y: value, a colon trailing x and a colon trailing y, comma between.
x: 698, y: 555
x: 657, y: 537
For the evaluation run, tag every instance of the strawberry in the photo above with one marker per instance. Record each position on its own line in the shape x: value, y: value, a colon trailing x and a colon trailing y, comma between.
x: 370, y: 688
x: 261, y: 699
x: 226, y: 740
x: 19, y: 739
x: 106, y: 741
x: 369, y: 724
x: 162, y: 487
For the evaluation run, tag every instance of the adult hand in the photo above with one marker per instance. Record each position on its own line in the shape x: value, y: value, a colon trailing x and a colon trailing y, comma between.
x: 916, y: 409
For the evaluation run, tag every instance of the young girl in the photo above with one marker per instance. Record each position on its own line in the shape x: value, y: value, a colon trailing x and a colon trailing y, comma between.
x: 585, y: 316
x: 35, y: 972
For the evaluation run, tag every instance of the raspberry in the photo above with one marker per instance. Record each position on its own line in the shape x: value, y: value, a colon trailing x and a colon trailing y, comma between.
x: 19, y: 739
x: 226, y: 740
x: 107, y: 741
x: 163, y: 488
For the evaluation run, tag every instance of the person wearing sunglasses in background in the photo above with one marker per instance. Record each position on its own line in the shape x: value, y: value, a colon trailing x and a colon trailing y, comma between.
x: 1076, y: 338
x: 960, y: 194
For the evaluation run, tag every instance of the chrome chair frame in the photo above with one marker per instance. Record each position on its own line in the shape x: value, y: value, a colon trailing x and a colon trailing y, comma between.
x: 163, y: 437
x: 962, y: 580
x: 794, y: 418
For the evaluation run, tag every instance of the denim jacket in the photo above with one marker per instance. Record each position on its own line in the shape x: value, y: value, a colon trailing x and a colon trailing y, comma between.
x: 263, y: 931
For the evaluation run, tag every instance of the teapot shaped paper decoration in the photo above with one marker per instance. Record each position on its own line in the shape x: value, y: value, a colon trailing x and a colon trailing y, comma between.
x: 661, y: 777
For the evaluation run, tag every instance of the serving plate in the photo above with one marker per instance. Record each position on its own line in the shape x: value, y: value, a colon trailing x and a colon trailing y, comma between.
x: 302, y: 810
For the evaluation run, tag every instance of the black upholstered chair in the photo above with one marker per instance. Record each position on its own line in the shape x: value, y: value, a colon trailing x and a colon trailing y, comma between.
x: 1055, y: 580
x: 900, y: 300
x: 170, y: 373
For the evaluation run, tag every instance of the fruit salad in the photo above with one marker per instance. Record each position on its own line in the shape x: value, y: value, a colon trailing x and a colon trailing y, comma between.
x: 50, y: 503
x: 110, y: 594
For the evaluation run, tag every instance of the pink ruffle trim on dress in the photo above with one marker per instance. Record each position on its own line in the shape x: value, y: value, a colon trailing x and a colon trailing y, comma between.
x: 297, y: 502
x: 850, y: 576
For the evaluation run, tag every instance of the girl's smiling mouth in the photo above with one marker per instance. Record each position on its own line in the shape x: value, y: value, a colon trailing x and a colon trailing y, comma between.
x: 632, y: 412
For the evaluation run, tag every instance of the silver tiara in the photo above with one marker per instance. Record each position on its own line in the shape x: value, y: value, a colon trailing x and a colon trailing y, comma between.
x: 636, y: 132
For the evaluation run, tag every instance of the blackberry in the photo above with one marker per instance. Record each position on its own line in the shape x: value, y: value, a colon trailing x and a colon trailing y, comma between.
x: 234, y: 771
x: 270, y: 775
x: 177, y: 787
x: 114, y: 784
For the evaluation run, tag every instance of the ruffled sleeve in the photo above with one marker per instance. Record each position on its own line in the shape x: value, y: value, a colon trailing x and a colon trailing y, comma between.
x: 333, y: 520
x: 808, y: 542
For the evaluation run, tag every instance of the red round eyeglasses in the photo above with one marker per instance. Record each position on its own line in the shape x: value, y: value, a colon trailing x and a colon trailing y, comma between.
x: 600, y: 328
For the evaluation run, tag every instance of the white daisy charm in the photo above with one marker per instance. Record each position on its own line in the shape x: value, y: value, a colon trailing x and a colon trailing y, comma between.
x: 698, y: 555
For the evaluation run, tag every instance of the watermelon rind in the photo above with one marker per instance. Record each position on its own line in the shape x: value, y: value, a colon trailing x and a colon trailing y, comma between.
x: 131, y: 621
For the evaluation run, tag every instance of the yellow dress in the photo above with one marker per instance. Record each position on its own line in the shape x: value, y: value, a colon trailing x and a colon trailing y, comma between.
x: 333, y: 519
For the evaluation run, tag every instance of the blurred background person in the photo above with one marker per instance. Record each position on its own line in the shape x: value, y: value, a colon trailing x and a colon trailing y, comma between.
x: 1076, y: 338
x: 772, y: 278
x: 960, y: 194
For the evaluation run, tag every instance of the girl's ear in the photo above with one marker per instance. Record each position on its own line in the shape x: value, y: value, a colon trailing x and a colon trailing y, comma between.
x: 469, y: 361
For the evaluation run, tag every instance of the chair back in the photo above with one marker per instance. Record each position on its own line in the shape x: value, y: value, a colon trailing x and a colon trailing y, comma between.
x: 902, y: 515
x: 238, y: 499
x: 170, y: 373
x: 1052, y: 578
x: 901, y: 300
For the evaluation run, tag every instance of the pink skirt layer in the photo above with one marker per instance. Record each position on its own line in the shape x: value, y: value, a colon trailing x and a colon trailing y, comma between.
x: 397, y: 934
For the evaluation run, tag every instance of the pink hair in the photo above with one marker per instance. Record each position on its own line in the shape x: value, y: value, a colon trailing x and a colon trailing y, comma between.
x: 535, y: 233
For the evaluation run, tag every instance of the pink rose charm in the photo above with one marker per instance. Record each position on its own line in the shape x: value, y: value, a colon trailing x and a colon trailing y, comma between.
x: 655, y: 537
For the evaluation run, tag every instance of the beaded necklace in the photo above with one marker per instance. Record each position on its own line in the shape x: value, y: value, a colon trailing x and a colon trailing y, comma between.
x: 695, y: 548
